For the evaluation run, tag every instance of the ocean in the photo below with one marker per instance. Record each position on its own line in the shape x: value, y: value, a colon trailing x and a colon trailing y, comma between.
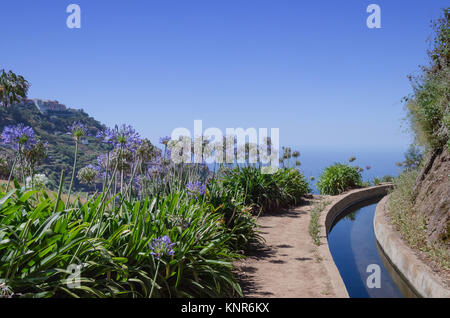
x: 381, y: 162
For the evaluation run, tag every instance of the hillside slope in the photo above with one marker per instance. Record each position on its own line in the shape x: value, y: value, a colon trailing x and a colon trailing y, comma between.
x: 432, y: 196
x: 49, y: 121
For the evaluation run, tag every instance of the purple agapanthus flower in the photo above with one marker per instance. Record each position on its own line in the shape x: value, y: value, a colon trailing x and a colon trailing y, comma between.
x: 102, y: 160
x: 161, y: 246
x: 101, y: 167
x: 77, y: 130
x: 196, y: 187
x: 124, y: 137
x: 19, y: 136
x: 106, y: 136
x: 164, y: 140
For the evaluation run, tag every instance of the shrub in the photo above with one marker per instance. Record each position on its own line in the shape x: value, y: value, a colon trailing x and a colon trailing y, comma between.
x: 428, y: 107
x: 338, y: 178
x: 427, y: 110
x: 292, y: 186
x: 265, y: 192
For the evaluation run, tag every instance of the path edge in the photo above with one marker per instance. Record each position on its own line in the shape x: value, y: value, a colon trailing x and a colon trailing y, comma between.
x: 425, y: 282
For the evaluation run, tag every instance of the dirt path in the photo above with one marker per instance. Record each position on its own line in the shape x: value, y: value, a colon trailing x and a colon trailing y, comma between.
x: 288, y: 264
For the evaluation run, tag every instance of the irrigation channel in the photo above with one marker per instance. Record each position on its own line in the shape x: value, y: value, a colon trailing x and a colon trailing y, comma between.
x: 354, y: 247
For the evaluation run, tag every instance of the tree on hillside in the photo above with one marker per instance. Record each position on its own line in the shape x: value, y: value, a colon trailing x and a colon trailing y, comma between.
x: 13, y: 88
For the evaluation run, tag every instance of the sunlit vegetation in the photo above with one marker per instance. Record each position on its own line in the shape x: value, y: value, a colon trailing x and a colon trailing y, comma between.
x: 339, y: 178
x: 428, y: 113
x: 314, y: 224
x: 411, y: 223
x: 147, y: 228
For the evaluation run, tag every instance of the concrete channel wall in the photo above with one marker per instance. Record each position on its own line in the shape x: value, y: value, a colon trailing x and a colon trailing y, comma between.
x: 336, y: 206
x: 415, y: 271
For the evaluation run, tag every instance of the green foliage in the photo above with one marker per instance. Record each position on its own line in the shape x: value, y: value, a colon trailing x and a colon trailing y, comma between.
x: 428, y: 109
x: 266, y: 192
x: 428, y: 106
x: 241, y: 224
x: 401, y: 203
x: 112, y: 248
x: 429, y: 116
x: 109, y: 234
x: 314, y: 226
x: 387, y: 178
x: 413, y: 157
x: 338, y: 178
x: 13, y: 88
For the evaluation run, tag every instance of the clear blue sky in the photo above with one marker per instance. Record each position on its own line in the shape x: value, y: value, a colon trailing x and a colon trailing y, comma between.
x: 311, y: 68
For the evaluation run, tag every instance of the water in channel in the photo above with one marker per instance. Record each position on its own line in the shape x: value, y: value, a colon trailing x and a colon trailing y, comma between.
x: 354, y: 248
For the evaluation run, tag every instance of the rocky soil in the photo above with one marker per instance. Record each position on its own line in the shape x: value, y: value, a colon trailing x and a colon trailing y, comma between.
x: 432, y: 196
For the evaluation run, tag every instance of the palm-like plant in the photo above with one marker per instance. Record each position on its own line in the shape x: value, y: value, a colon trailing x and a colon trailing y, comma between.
x: 13, y: 88
x: 115, y: 251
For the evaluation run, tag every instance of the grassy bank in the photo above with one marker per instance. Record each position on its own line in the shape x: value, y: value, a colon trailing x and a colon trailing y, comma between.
x: 411, y: 223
